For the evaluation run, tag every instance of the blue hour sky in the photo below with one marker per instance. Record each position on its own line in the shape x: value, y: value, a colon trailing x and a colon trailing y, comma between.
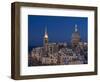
x: 59, y: 28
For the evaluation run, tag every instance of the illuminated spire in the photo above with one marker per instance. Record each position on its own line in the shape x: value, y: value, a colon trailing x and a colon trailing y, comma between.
x: 46, y: 34
x: 76, y: 28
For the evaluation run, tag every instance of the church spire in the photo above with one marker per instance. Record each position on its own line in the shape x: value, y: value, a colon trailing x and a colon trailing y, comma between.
x: 46, y: 34
x: 76, y: 28
x: 46, y: 39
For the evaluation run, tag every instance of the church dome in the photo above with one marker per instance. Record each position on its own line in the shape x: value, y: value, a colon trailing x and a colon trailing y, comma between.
x: 75, y: 34
x: 75, y: 37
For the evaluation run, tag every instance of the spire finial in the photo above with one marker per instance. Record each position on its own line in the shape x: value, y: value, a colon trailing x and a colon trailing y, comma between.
x: 76, y: 28
x: 45, y: 29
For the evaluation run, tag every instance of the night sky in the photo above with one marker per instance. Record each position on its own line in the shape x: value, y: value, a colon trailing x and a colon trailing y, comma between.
x: 59, y: 29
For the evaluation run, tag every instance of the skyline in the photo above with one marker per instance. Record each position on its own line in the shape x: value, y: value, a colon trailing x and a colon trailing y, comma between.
x: 59, y: 28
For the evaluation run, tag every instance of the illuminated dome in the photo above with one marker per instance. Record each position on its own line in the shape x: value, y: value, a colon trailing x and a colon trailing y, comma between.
x: 75, y: 35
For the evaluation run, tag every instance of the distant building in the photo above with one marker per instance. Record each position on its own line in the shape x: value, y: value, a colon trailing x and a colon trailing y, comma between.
x: 75, y: 37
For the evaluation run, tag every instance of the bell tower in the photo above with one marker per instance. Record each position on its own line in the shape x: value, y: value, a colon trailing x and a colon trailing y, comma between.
x: 46, y: 41
x: 46, y: 36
